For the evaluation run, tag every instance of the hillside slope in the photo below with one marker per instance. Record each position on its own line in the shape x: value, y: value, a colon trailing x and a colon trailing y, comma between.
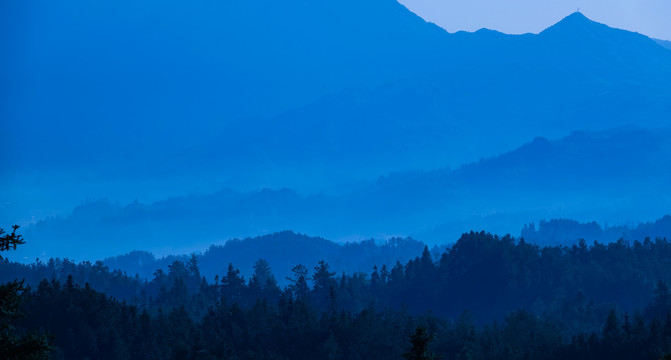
x: 615, y: 176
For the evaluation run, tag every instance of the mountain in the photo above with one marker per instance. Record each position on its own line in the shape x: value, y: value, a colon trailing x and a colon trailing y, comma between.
x: 155, y: 99
x: 97, y: 81
x: 101, y: 97
x: 577, y: 74
x: 615, y: 176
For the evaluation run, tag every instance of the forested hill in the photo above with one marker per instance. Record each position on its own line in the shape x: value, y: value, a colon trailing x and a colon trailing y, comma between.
x: 477, y: 268
x: 568, y: 232
x: 579, y: 302
x: 282, y: 251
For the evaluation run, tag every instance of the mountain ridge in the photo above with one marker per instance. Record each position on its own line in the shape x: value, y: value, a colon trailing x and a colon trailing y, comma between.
x: 427, y: 115
x: 580, y: 176
x: 437, y: 52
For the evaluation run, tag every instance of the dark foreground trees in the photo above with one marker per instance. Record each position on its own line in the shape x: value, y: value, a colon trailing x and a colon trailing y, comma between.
x: 15, y: 345
x: 87, y: 324
x: 525, y: 302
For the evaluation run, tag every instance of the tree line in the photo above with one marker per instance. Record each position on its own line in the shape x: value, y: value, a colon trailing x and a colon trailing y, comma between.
x: 487, y: 297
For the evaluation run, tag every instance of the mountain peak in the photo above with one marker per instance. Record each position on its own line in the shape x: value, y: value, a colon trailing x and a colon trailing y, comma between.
x: 578, y: 31
x: 576, y: 17
x: 574, y: 23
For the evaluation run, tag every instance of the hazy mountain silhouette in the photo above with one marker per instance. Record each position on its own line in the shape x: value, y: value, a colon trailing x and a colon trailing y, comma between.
x: 577, y: 74
x: 616, y: 176
x: 611, y: 176
x: 306, y: 95
x: 146, y: 77
x: 100, y: 96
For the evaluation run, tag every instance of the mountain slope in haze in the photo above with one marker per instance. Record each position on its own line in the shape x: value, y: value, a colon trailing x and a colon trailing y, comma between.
x: 577, y: 74
x: 97, y: 81
x: 366, y: 87
x: 102, y: 97
x: 613, y: 176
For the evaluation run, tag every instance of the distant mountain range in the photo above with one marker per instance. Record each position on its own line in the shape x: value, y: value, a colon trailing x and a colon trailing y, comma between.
x: 577, y: 74
x: 581, y: 176
x: 309, y: 96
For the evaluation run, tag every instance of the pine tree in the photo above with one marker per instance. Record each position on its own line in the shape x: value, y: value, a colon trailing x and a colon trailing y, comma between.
x: 10, y: 241
x: 299, y: 285
x: 420, y: 341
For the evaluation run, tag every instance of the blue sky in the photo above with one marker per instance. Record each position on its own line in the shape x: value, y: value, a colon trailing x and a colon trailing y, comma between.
x: 649, y: 17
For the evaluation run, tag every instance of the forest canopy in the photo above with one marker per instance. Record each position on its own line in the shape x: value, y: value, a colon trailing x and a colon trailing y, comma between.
x: 486, y: 297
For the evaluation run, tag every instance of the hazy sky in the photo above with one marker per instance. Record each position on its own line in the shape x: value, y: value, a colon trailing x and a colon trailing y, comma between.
x: 649, y: 17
